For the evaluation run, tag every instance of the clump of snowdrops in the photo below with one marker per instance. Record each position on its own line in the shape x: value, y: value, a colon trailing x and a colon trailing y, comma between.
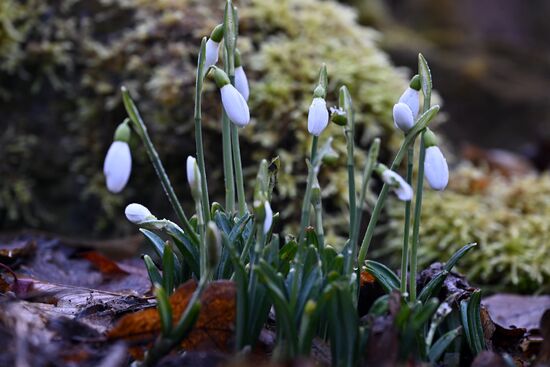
x: 312, y: 287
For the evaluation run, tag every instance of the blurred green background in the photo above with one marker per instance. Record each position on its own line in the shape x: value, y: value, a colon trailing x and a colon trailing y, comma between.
x: 62, y: 63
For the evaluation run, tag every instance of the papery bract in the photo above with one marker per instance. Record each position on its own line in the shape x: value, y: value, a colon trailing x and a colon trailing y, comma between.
x: 117, y: 166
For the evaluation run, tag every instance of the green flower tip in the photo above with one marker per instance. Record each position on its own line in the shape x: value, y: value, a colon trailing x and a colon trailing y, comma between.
x: 123, y: 132
x: 219, y: 76
x: 217, y: 33
x: 430, y: 140
x: 415, y: 82
x: 319, y: 92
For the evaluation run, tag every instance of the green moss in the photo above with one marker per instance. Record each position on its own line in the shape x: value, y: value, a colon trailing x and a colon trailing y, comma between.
x: 75, y: 56
x: 508, y: 218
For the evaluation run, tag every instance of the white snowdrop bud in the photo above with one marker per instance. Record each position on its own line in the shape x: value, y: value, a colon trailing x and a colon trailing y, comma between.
x: 211, y: 53
x: 401, y: 188
x: 235, y: 105
x: 268, y: 221
x: 317, y: 118
x: 137, y: 213
x: 117, y: 166
x: 190, y: 169
x: 411, y: 98
x: 403, y: 117
x: 241, y: 82
x: 436, y: 169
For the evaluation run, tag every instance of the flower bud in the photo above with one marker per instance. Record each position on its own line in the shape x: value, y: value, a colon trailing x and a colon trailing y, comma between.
x: 403, y: 117
x: 315, y: 193
x: 137, y: 213
x: 401, y: 188
x: 317, y: 119
x: 411, y: 98
x: 193, y: 176
x: 213, y: 245
x: 338, y: 116
x: 268, y: 220
x: 235, y: 105
x: 211, y: 53
x: 436, y: 169
x: 241, y: 82
x: 117, y: 166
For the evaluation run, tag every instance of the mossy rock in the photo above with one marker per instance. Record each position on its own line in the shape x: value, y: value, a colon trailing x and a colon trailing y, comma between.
x: 507, y: 217
x: 59, y: 87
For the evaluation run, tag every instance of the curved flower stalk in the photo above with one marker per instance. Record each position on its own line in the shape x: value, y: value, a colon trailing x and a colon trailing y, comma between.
x: 118, y: 161
x: 137, y: 213
x: 213, y: 46
x: 401, y: 188
x: 241, y: 81
x: 233, y: 102
x: 436, y: 169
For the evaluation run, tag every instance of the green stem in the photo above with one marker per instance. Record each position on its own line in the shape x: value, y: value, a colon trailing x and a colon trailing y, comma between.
x: 417, y: 215
x: 319, y: 225
x: 405, y: 252
x: 420, y: 125
x: 139, y: 124
x: 304, y: 222
x: 238, y: 170
x: 350, y: 258
x: 228, y: 164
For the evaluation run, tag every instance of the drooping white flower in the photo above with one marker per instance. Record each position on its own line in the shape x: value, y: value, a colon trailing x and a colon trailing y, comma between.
x: 411, y: 97
x: 117, y: 166
x: 403, y: 117
x: 317, y: 118
x: 211, y: 53
x: 241, y: 82
x: 401, y: 188
x: 436, y: 169
x: 190, y: 168
x: 235, y: 105
x: 137, y: 213
x: 268, y: 221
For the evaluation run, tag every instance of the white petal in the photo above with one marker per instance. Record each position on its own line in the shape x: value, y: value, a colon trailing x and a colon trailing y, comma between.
x: 211, y: 53
x: 241, y: 82
x: 317, y: 118
x: 137, y: 213
x: 403, y: 117
x: 268, y: 221
x: 411, y: 98
x: 403, y: 191
x: 117, y: 166
x: 235, y: 105
x: 436, y: 169
x: 190, y: 168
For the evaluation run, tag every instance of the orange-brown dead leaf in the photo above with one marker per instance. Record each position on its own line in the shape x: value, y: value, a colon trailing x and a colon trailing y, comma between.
x: 104, y: 264
x: 214, y: 326
x: 366, y: 278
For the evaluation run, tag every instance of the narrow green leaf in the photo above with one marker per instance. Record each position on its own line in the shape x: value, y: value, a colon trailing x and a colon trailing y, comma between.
x: 239, y: 227
x: 168, y: 269
x: 432, y: 288
x: 425, y: 312
x: 425, y: 76
x: 380, y: 307
x: 164, y: 309
x: 439, y: 347
x: 387, y: 278
x: 154, y: 274
x: 156, y: 241
x: 471, y: 322
x: 458, y: 255
x: 223, y: 223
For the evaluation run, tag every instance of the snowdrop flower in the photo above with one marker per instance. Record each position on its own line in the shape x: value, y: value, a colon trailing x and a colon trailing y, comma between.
x: 403, y: 117
x: 411, y: 96
x: 241, y: 81
x: 137, y: 213
x: 268, y: 220
x: 118, y: 161
x: 317, y: 118
x: 436, y: 169
x: 213, y: 46
x: 233, y: 102
x: 193, y: 177
x: 401, y: 188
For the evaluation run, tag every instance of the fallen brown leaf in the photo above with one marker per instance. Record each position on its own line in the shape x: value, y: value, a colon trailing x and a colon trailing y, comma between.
x: 213, y: 329
x: 103, y: 264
